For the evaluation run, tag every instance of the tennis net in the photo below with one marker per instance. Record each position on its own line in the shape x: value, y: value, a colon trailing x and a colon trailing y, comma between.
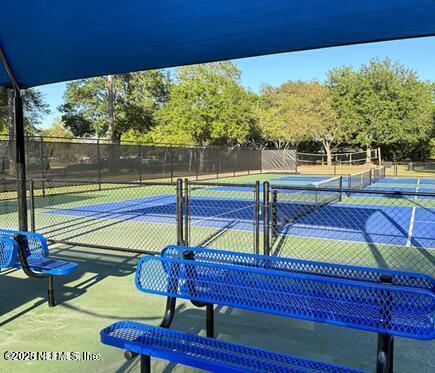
x: 289, y: 204
x: 366, y: 178
x: 378, y: 173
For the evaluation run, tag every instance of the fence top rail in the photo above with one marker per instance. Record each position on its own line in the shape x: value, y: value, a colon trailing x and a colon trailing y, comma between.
x: 91, y: 182
x: 240, y: 185
x: 351, y: 191
x: 334, y: 154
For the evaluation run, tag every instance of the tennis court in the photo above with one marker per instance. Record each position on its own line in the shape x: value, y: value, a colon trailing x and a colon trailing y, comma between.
x: 355, y: 218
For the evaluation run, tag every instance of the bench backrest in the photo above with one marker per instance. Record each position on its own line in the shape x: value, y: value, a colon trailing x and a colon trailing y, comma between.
x: 8, y: 252
x: 380, y: 308
x: 339, y: 271
x: 36, y: 243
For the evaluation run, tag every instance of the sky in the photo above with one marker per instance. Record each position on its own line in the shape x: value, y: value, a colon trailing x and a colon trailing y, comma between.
x: 418, y: 54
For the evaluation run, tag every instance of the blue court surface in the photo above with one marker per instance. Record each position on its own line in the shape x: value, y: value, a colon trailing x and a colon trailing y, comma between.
x: 393, y: 225
x: 406, y: 180
x: 385, y: 187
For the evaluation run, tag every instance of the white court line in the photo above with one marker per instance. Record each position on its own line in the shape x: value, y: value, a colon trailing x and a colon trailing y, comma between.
x: 411, y: 227
x: 416, y: 189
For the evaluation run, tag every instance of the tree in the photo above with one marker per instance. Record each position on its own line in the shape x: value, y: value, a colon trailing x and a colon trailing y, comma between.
x: 383, y: 103
x: 206, y: 106
x: 299, y: 111
x: 57, y: 129
x: 34, y: 106
x: 113, y: 105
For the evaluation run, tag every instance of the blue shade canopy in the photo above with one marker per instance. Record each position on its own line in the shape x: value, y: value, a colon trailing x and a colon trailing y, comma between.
x: 49, y: 41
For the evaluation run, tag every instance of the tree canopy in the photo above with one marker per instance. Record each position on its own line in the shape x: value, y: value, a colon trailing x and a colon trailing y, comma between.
x: 380, y: 104
x: 383, y: 104
x: 35, y: 107
x: 300, y: 111
x: 206, y: 105
x: 113, y: 105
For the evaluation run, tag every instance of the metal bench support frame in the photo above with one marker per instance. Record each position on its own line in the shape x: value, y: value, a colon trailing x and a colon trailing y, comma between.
x: 22, y: 248
x: 145, y: 360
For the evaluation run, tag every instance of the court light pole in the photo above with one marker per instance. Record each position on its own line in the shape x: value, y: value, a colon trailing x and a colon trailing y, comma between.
x: 20, y: 157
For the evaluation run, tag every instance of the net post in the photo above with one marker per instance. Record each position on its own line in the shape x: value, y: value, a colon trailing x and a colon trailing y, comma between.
x: 32, y: 205
x: 385, y: 346
x: 266, y: 224
x: 186, y: 203
x: 179, y: 216
x: 274, y: 216
x: 257, y: 217
x: 349, y: 183
x: 370, y: 177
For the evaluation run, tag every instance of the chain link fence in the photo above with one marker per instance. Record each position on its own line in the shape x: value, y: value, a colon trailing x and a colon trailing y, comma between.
x: 222, y: 215
x: 8, y: 204
x: 124, y: 216
x: 98, y: 160
x: 373, y: 228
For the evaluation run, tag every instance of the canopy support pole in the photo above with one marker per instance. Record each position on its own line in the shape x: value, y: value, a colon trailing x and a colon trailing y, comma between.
x: 20, y: 158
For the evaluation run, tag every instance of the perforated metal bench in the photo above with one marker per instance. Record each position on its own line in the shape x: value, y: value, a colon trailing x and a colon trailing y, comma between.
x: 205, y: 353
x: 387, y: 309
x: 298, y: 266
x: 31, y: 255
x: 8, y: 252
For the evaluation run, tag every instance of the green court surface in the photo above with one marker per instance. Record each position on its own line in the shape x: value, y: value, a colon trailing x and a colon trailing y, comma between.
x: 102, y: 291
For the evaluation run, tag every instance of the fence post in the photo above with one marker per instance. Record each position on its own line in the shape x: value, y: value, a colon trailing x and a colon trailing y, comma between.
x: 261, y: 161
x: 140, y: 164
x: 379, y: 157
x: 257, y: 217
x: 179, y: 218
x: 171, y: 157
x: 234, y: 159
x: 266, y: 223
x: 217, y: 163
x: 32, y: 206
x: 340, y: 183
x: 296, y: 161
x: 197, y: 163
x: 274, y: 216
x: 98, y: 163
x: 41, y: 154
x: 186, y: 200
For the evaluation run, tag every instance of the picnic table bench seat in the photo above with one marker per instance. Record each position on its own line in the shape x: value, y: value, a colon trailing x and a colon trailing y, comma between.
x: 30, y: 253
x: 209, y: 277
x: 206, y: 353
